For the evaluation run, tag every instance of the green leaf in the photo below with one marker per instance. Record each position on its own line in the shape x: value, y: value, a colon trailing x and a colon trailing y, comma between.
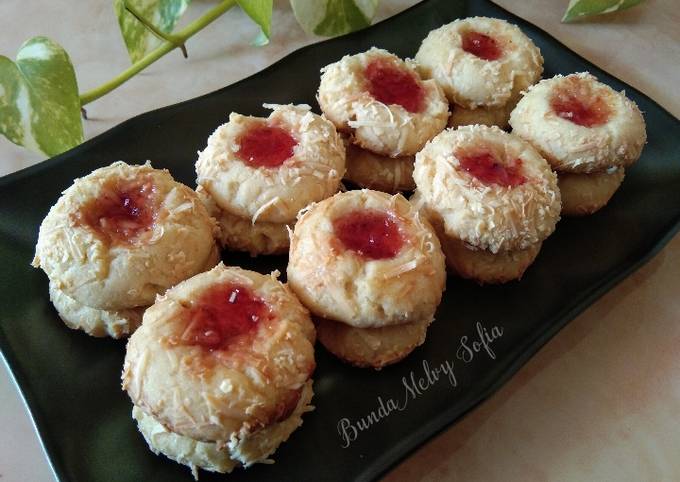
x: 261, y: 13
x: 333, y: 17
x: 578, y: 9
x: 261, y: 40
x: 162, y: 14
x: 39, y: 104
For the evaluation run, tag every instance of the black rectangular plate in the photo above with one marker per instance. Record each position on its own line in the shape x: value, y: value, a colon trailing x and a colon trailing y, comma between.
x: 71, y: 381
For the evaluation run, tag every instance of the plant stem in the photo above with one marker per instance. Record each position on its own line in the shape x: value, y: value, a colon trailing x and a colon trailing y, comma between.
x: 165, y: 47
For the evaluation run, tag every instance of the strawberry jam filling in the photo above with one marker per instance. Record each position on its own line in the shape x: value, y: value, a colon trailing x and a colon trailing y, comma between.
x: 371, y: 234
x: 391, y: 84
x: 482, y: 46
x: 265, y: 146
x: 122, y: 212
x: 223, y: 314
x: 489, y: 170
x: 580, y: 106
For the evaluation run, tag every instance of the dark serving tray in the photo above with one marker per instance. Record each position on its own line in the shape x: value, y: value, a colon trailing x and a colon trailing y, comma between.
x: 71, y: 381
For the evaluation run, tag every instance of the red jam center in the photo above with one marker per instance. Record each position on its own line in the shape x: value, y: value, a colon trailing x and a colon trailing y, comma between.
x: 265, y: 146
x: 391, y: 84
x: 371, y: 234
x: 222, y: 314
x: 581, y: 108
x: 481, y: 46
x: 489, y: 170
x: 122, y: 211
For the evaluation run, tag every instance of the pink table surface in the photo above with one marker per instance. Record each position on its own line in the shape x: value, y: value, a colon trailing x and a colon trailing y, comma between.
x: 601, y: 401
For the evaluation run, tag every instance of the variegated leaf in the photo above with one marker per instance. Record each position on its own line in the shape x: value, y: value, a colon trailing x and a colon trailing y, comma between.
x: 39, y: 104
x: 162, y: 14
x: 260, y: 11
x: 333, y: 17
x: 584, y: 8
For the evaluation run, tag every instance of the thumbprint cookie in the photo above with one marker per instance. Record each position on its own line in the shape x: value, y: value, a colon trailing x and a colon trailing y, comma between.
x: 381, y: 173
x: 488, y: 116
x: 381, y: 101
x: 220, y: 370
x: 584, y: 194
x: 587, y: 131
x: 483, y: 65
x: 118, y: 237
x: 371, y: 270
x: 95, y: 322
x: 241, y: 234
x: 491, y: 198
x: 256, y: 174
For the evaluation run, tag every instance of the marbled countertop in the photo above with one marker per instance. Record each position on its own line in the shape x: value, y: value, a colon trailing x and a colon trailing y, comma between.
x: 601, y: 401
